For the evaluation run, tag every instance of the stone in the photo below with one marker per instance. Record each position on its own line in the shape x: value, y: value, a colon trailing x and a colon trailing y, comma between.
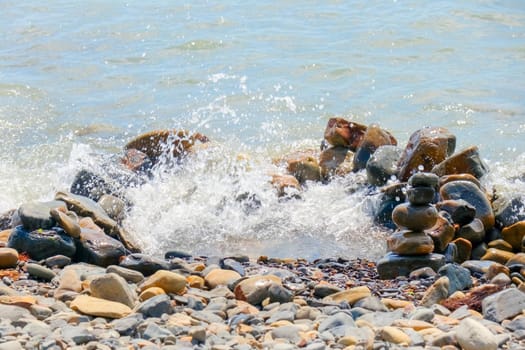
x: 68, y: 223
x: 420, y: 195
x: 472, y: 335
x: 423, y: 179
x: 136, y: 161
x: 340, y: 132
x: 461, y: 212
x: 509, y: 211
x: 286, y: 185
x: 339, y: 319
x: 497, y: 255
x: 128, y: 274
x: 473, y: 232
x: 383, y: 215
x: 85, y: 206
x: 170, y: 282
x: 458, y: 177
x: 218, y: 277
x: 351, y: 295
x: 99, y: 249
x: 233, y: 264
x: 437, y: 292
x: 503, y: 305
x: 41, y: 244
x: 426, y: 148
x: 458, y: 276
x: 410, y: 243
x: 393, y: 265
x: 35, y: 215
x: 382, y: 165
x: 324, y: 289
x: 70, y: 284
x: 157, y: 143
x: 11, y: 345
x: 442, y: 233
x: 469, y: 192
x: 150, y: 293
x: 127, y: 325
x: 373, y: 138
x: 88, y: 184
x: 335, y: 161
x: 451, y: 254
x: 99, y: 307
x: 514, y: 235
x: 466, y: 161
x: 8, y: 258
x: 517, y: 259
x: 40, y: 271
x: 394, y: 335
x: 112, y: 287
x: 255, y: 289
x: 195, y: 282
x: 500, y: 244
x: 156, y: 306
x: 113, y: 206
x: 304, y: 167
x: 464, y: 249
x: 279, y: 294
x: 496, y: 269
x: 423, y: 272
x: 501, y: 280
x: 415, y: 218
x: 146, y: 264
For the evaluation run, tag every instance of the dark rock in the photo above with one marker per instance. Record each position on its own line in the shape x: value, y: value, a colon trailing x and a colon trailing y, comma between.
x: 451, y: 254
x: 383, y: 216
x: 424, y: 180
x: 35, y: 215
x: 278, y: 294
x: 143, y: 263
x: 479, y: 251
x: 467, y: 161
x: 442, y: 233
x: 113, y: 206
x: 332, y: 323
x: 514, y: 235
x: 40, y: 271
x: 458, y: 276
x: 461, y: 211
x: 340, y: 132
x: 41, y: 244
x: 99, y: 249
x: 423, y: 272
x: 382, y: 165
x: 420, y: 195
x: 156, y: 306
x: 410, y: 243
x: 170, y: 254
x: 415, y: 218
x: 374, y: 138
x: 90, y: 185
x: 508, y: 212
x: 128, y: 274
x: 464, y: 249
x: 474, y: 232
x: 5, y: 219
x: 59, y: 261
x: 230, y: 264
x: 393, y: 265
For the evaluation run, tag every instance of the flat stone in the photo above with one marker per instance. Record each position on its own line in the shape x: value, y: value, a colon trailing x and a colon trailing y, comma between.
x: 112, y: 287
x: 509, y: 211
x: 437, y: 292
x: 393, y: 265
x: 128, y: 274
x: 170, y: 282
x: 35, y: 215
x: 59, y: 261
x: 40, y: 271
x: 218, y: 277
x: 466, y: 161
x: 41, y: 244
x: 472, y: 335
x: 127, y: 325
x: 420, y: 195
x: 99, y: 307
x: 410, y: 243
x: 351, y: 296
x: 143, y: 263
x: 8, y: 258
x: 503, y: 305
x: 500, y: 244
x: 514, y: 235
x: 423, y: 179
x: 11, y: 345
x: 77, y: 334
x: 442, y: 233
x: 497, y: 255
x: 340, y: 319
x: 14, y: 313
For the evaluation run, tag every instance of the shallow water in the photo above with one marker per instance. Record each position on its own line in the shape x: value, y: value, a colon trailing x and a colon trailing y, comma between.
x: 260, y: 79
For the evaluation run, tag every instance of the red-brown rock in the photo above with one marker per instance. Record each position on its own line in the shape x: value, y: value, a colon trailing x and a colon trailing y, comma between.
x: 467, y: 161
x: 340, y: 132
x: 335, y: 161
x: 374, y: 138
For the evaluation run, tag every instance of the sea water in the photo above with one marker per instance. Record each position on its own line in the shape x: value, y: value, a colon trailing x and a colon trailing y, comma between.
x: 261, y: 79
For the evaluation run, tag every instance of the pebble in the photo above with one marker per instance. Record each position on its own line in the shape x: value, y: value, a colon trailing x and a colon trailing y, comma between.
x: 40, y: 271
x: 472, y: 335
x: 8, y: 258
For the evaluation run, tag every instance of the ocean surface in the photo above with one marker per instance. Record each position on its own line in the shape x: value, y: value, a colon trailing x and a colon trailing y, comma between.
x: 260, y: 78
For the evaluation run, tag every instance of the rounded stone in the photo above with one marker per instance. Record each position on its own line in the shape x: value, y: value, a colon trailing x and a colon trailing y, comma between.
x: 410, y: 243
x: 150, y: 293
x: 68, y: 223
x: 112, y: 287
x: 340, y: 132
x: 424, y: 180
x: 414, y: 218
x: 466, y: 161
x: 40, y: 271
x: 8, y: 258
x: 35, y: 215
x: 170, y: 282
x: 382, y: 165
x: 420, y: 195
x: 474, y: 232
x: 219, y: 277
x: 442, y: 233
x: 497, y: 255
x: 99, y: 307
x: 472, y: 335
x: 514, y: 235
x: 461, y: 211
x: 393, y: 265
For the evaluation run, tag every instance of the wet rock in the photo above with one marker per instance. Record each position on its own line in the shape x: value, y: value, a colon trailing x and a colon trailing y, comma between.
x: 415, y: 218
x: 426, y: 148
x: 382, y: 165
x: 509, y: 211
x: 41, y: 244
x: 67, y: 222
x: 99, y: 249
x: 218, y: 277
x: 163, y: 142
x: 255, y: 289
x: 170, y: 282
x: 420, y: 195
x: 232, y: 264
x: 473, y: 232
x: 8, y: 258
x: 40, y: 271
x: 113, y: 206
x: 128, y: 274
x: 112, y: 287
x: 442, y: 233
x: 335, y: 161
x: 373, y: 138
x: 503, y: 305
x: 472, y: 335
x: 304, y: 167
x: 472, y: 194
x: 436, y: 292
x: 459, y: 277
x: 423, y: 179
x: 466, y: 161
x: 35, y: 215
x: 464, y: 249
x: 145, y: 264
x: 136, y: 161
x: 393, y: 265
x: 461, y: 212
x: 514, y: 235
x: 88, y: 184
x: 286, y: 185
x: 497, y: 255
x: 410, y: 243
x: 156, y: 306
x: 150, y: 293
x: 99, y: 307
x: 340, y: 132
x: 423, y: 272
x: 500, y: 244
x: 351, y: 296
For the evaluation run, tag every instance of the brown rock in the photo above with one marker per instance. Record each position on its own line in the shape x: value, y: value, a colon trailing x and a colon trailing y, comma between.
x: 304, y: 167
x: 340, y: 132
x: 394, y: 335
x: 8, y: 258
x: 170, y: 282
x: 285, y: 184
x: 135, y: 160
x: 514, y: 235
x: 374, y: 138
x: 467, y: 161
x: 415, y: 218
x: 410, y: 243
x: 442, y: 233
x: 69, y: 285
x: 150, y: 293
x: 517, y: 259
x: 335, y: 161
x: 68, y: 223
x: 99, y: 307
x: 436, y: 293
x: 219, y: 277
x: 255, y: 289
x: 4, y: 236
x: 426, y: 148
x: 497, y: 255
x: 195, y: 282
x: 500, y: 244
x: 496, y: 269
x: 459, y: 177
x: 158, y: 142
x: 351, y: 296
x: 112, y: 287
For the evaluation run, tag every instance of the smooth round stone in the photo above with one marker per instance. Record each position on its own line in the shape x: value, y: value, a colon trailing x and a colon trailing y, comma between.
x: 423, y: 180
x: 254, y: 289
x: 420, y: 195
x: 99, y: 307
x: 514, y: 234
x: 156, y: 306
x: 219, y: 277
x: 8, y: 258
x: 41, y: 244
x: 436, y: 293
x: 461, y: 212
x: 517, y: 259
x: 469, y: 192
x: 128, y: 274
x: 478, y: 251
x: 503, y: 305
x: 500, y: 244
x: 472, y: 335
x: 410, y: 243
x: 59, y: 261
x: 340, y: 132
x: 466, y: 161
x: 414, y: 218
x: 464, y: 249
x: 474, y: 232
x: 497, y: 255
x: 40, y: 271
x: 170, y: 282
x: 150, y: 293
x: 35, y: 215
x: 393, y: 265
x: 458, y: 177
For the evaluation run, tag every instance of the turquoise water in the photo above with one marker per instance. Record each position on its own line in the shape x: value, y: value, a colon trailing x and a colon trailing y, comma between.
x: 261, y: 78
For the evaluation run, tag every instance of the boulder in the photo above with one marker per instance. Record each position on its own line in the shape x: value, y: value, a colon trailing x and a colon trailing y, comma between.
x: 99, y: 249
x: 415, y: 218
x: 514, y: 235
x: 382, y: 165
x: 35, y: 215
x: 426, y: 148
x: 467, y: 161
x: 340, y: 132
x: 393, y: 265
x: 469, y: 192
x: 42, y: 244
x: 374, y: 138
x: 335, y: 161
x: 162, y: 142
x: 410, y: 243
